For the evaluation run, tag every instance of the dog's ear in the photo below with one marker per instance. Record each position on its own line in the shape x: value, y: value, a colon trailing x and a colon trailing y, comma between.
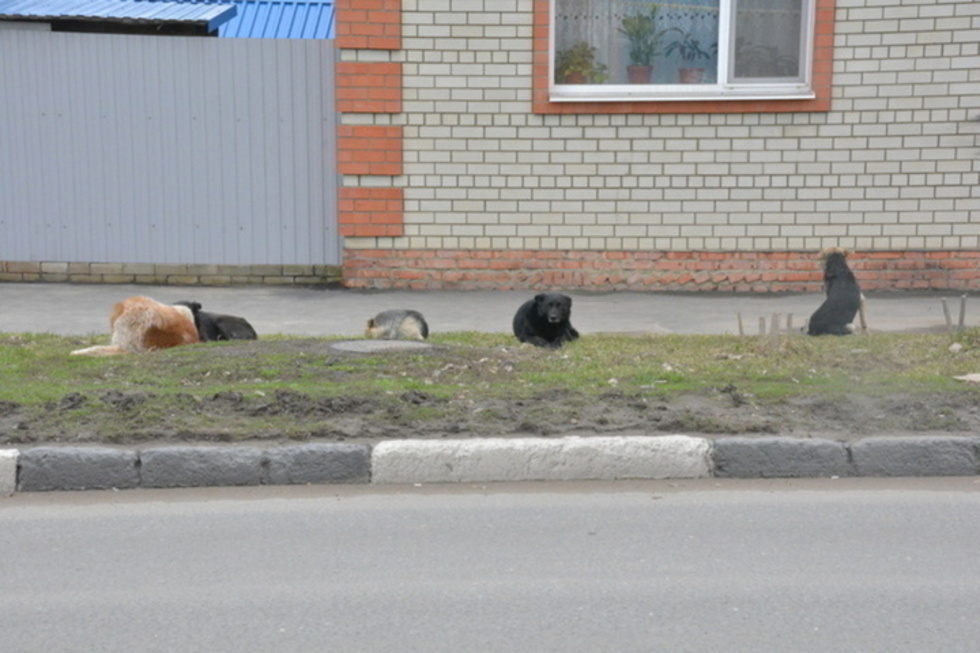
x: 194, y: 306
x: 540, y: 297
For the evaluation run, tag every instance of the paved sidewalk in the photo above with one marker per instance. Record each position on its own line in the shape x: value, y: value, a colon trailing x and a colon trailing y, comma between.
x: 69, y: 309
x: 78, y: 309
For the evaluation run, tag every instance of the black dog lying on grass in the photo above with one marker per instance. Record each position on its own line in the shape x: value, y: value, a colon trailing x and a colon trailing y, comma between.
x: 545, y: 321
x: 215, y: 326
x: 836, y: 315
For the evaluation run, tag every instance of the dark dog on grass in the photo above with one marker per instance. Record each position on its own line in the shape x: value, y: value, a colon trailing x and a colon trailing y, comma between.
x: 836, y: 315
x: 545, y: 321
x: 215, y: 326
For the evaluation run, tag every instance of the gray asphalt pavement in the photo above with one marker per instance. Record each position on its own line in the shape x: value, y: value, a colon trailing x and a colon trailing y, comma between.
x: 79, y: 309
x: 705, y: 566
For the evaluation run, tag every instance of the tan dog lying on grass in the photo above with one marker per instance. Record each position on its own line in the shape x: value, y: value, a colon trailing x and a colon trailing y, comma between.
x: 140, y: 324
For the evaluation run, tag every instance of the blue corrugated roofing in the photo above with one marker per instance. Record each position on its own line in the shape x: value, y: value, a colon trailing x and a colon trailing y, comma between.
x: 281, y: 20
x: 209, y: 15
x: 277, y: 19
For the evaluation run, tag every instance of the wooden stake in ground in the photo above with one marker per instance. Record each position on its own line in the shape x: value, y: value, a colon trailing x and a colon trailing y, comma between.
x: 774, y: 331
x: 949, y: 320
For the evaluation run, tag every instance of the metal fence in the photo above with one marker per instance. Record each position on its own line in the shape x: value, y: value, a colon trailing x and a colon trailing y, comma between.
x: 153, y: 149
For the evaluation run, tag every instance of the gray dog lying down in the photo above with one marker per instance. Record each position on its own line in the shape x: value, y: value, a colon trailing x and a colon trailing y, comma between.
x: 398, y: 324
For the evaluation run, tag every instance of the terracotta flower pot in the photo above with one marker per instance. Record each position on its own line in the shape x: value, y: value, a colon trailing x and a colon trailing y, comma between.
x: 690, y: 75
x: 574, y: 78
x: 639, y: 74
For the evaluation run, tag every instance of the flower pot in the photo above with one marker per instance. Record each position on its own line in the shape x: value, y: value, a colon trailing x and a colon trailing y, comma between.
x: 639, y: 74
x: 690, y: 75
x: 574, y: 78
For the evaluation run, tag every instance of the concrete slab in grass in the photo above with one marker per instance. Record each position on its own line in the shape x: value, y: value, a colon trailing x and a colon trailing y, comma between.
x: 374, y: 346
x: 534, y: 459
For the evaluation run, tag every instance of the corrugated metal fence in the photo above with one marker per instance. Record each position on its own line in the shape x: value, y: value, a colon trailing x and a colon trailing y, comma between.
x: 151, y: 149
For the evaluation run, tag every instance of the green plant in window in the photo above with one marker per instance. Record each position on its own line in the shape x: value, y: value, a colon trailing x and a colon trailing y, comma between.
x: 644, y: 38
x: 578, y: 65
x: 687, y: 47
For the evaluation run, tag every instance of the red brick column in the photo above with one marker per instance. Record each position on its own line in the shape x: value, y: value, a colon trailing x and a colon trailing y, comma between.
x: 369, y: 88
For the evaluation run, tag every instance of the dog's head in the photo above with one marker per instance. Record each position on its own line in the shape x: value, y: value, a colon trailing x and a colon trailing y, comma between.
x: 554, y: 307
x: 194, y: 306
x: 834, y: 262
x: 827, y: 251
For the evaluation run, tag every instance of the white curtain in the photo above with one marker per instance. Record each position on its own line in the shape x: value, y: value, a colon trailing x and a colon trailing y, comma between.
x: 768, y: 35
x: 597, y: 21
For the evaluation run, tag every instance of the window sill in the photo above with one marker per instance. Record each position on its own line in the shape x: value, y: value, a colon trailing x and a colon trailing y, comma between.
x: 675, y: 93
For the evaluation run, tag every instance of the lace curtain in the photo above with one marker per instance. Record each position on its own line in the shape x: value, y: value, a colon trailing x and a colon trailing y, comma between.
x: 768, y: 31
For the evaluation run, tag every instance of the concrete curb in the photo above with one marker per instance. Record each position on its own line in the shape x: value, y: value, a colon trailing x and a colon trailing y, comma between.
x: 77, y: 468
x: 784, y: 457
x: 485, y: 460
x: 539, y: 459
x: 92, y: 468
x: 8, y: 470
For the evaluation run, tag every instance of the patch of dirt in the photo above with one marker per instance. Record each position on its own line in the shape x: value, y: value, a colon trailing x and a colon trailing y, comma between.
x: 123, y: 416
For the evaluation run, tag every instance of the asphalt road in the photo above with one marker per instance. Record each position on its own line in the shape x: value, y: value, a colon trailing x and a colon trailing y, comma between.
x: 834, y: 565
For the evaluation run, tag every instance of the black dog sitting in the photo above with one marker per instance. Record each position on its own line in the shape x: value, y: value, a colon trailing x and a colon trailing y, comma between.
x: 836, y: 315
x: 545, y: 321
x: 215, y: 326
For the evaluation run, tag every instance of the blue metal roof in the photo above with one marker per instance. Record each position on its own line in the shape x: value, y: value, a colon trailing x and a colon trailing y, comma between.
x: 209, y: 15
x: 281, y: 19
x: 276, y: 19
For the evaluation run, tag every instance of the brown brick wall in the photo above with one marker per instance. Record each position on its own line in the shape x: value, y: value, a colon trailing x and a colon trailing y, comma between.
x: 651, y: 271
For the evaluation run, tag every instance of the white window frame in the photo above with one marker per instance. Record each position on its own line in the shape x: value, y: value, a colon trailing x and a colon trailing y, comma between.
x: 726, y: 89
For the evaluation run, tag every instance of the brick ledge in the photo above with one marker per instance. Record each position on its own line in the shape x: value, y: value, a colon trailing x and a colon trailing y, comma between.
x: 691, y: 271
x: 170, y: 274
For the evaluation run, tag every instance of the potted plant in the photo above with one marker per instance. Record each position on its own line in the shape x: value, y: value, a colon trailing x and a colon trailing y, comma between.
x: 644, y: 43
x: 688, y: 50
x: 578, y: 65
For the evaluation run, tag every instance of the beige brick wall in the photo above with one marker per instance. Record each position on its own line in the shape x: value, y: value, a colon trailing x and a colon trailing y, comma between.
x: 895, y: 164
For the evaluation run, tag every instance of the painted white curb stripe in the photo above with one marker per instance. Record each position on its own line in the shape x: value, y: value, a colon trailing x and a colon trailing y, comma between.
x: 540, y: 459
x: 8, y: 470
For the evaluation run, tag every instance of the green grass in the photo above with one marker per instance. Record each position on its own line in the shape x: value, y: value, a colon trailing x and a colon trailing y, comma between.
x: 36, y: 368
x: 465, y: 372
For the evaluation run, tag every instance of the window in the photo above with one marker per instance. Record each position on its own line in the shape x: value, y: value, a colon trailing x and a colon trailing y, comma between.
x: 636, y: 50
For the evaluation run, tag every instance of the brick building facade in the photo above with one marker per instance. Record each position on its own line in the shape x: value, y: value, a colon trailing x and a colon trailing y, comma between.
x: 499, y: 188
